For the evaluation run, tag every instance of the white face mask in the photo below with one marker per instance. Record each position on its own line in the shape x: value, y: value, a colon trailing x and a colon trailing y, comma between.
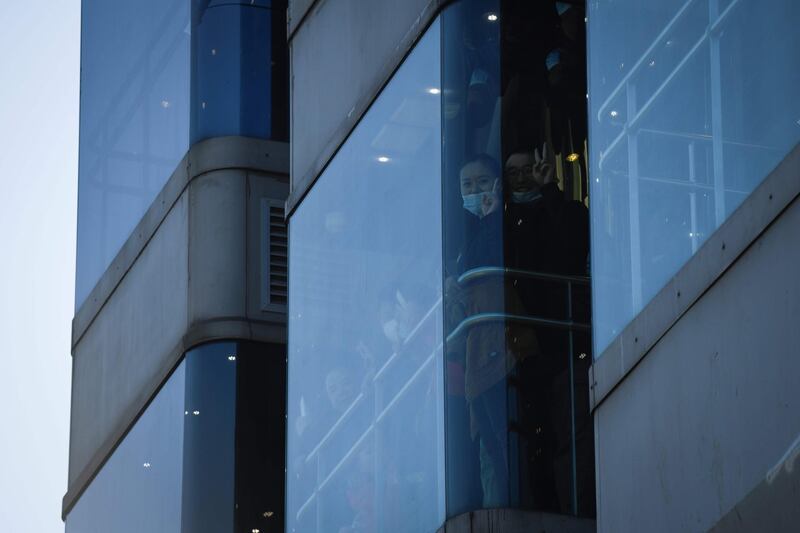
x: 391, y: 331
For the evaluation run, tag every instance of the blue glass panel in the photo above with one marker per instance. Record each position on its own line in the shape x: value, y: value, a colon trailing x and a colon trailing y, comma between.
x: 209, y: 451
x: 690, y: 108
x: 207, y: 455
x: 134, y: 120
x: 365, y: 429
x: 240, y: 84
x: 139, y: 488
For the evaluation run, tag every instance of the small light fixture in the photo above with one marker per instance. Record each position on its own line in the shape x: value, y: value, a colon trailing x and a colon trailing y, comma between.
x: 434, y: 90
x: 195, y: 413
x: 231, y: 358
x: 652, y: 62
x: 146, y: 465
x: 582, y: 356
x: 614, y: 114
x: 186, y: 412
x: 165, y: 104
x: 254, y: 530
x: 491, y: 17
x: 572, y: 157
x: 383, y: 159
x: 268, y: 514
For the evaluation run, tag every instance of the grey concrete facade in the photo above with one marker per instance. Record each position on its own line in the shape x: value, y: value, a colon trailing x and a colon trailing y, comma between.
x: 696, y: 412
x: 191, y: 272
x: 342, y: 53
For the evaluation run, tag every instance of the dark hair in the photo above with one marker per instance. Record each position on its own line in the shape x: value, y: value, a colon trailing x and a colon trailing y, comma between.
x: 487, y: 161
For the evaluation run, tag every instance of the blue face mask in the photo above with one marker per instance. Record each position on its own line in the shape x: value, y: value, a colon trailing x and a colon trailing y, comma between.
x: 474, y: 202
x: 525, y: 197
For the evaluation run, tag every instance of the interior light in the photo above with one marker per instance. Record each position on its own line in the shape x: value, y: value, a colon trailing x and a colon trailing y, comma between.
x: 434, y: 90
x: 582, y: 356
x: 383, y: 159
x: 652, y: 62
x: 256, y: 530
x: 165, y: 103
x: 572, y: 157
x: 614, y: 114
x: 268, y: 514
x: 186, y: 412
x: 491, y: 17
x: 231, y: 358
x: 195, y: 413
x: 146, y: 465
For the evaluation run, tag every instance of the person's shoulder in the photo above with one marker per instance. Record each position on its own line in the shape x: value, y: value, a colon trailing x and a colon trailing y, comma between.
x: 575, y: 211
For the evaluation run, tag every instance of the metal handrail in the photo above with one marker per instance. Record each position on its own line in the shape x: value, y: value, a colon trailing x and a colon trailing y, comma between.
x: 482, y: 318
x: 657, y: 41
x: 480, y: 272
x: 382, y: 370
x: 465, y: 278
x: 632, y: 122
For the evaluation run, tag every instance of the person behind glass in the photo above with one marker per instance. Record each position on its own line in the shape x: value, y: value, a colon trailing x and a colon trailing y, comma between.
x: 491, y: 349
x: 546, y: 234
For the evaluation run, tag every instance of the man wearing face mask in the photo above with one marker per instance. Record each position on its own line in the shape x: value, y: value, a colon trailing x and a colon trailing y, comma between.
x: 547, y: 234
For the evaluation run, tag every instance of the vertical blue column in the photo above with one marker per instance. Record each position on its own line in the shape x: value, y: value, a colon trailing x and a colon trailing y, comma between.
x: 239, y: 69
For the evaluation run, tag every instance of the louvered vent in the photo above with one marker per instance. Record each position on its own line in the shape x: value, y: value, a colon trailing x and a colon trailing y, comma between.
x: 276, y: 279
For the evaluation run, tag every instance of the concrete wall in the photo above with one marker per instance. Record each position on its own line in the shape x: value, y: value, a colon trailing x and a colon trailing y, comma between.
x: 341, y: 55
x: 190, y: 273
x: 698, y: 424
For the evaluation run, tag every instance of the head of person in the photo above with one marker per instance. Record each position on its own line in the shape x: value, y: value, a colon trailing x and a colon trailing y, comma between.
x: 481, y: 189
x: 340, y: 389
x: 525, y: 173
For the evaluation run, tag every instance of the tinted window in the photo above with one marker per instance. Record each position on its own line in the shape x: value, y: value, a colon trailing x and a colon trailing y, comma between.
x: 690, y: 108
x: 134, y: 120
x: 365, y: 431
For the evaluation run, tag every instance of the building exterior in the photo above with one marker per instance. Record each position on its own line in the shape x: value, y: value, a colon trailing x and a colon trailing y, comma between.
x: 470, y: 265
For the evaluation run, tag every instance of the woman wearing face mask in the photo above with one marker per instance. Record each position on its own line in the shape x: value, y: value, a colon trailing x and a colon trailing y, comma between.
x: 492, y: 348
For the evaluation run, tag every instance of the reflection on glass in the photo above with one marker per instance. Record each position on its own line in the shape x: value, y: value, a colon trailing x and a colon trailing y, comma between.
x: 365, y: 435
x: 139, y: 488
x: 516, y: 299
x: 209, y: 438
x: 240, y: 77
x: 690, y: 109
x: 134, y: 120
x: 207, y: 455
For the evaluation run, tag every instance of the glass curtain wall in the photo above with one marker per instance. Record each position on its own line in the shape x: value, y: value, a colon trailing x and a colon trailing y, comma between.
x: 156, y: 77
x: 134, y: 120
x: 439, y: 325
x: 692, y: 104
x: 365, y: 429
x: 240, y: 69
x: 516, y: 245
x: 206, y: 455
